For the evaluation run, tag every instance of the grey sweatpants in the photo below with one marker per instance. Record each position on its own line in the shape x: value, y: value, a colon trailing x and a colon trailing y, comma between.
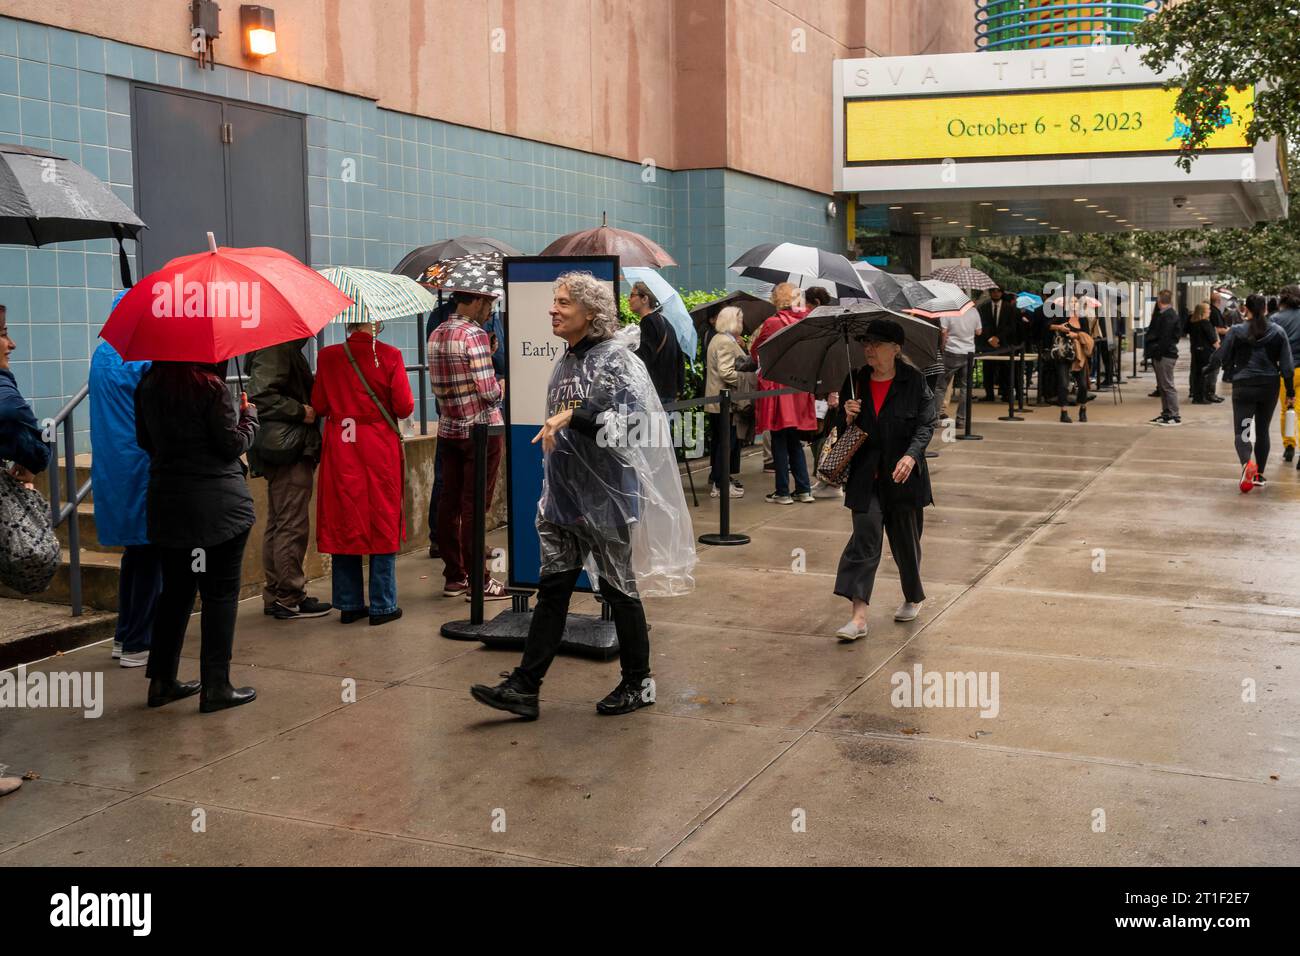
x: 1168, y: 390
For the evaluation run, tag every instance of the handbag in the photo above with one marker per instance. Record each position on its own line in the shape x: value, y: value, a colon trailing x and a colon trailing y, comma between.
x: 833, y: 466
x: 1062, y: 348
x: 29, y: 551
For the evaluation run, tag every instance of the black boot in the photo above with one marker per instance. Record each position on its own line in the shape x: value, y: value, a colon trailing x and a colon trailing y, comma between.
x: 1289, y: 454
x: 1065, y: 416
x: 627, y: 697
x: 164, y: 690
x: 219, y: 695
x: 509, y: 695
x: 1083, y: 413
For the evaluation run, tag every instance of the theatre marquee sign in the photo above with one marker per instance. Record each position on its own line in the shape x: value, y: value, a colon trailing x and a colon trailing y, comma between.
x: 915, y: 129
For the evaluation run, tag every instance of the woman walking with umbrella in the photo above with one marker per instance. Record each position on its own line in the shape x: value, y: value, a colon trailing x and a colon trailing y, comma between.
x: 888, y: 484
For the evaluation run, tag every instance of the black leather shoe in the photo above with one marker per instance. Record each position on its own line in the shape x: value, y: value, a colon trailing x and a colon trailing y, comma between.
x: 1083, y: 413
x: 507, y: 696
x: 163, y: 691
x: 224, y: 696
x: 377, y: 619
x: 1289, y: 454
x: 347, y: 617
x: 625, y: 698
x: 1065, y: 417
x: 1217, y: 399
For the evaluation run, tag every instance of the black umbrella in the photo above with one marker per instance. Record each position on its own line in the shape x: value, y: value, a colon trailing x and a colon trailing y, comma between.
x: 805, y: 266
x: 895, y: 291
x: 753, y: 309
x: 417, y: 262
x: 45, y: 198
x: 815, y: 354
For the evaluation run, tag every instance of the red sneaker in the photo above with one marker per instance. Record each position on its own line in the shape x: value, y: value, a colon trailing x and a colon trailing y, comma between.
x: 1249, y: 472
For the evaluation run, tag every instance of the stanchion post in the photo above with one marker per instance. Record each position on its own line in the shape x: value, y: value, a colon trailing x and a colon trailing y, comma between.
x: 476, y: 557
x: 724, y: 535
x: 1021, y: 379
x: 1011, y: 415
x: 422, y: 379
x: 966, y: 399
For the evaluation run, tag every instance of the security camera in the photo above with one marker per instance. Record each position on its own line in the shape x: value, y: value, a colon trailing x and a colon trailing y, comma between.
x: 1180, y: 202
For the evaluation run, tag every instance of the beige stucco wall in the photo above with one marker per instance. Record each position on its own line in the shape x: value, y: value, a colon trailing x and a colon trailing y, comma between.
x: 687, y: 83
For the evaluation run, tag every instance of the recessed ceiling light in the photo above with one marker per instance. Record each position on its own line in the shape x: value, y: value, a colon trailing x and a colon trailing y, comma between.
x: 986, y: 204
x: 1016, y: 215
x: 895, y: 207
x: 952, y: 222
x: 983, y: 230
x: 1121, y: 220
x: 937, y: 218
x: 1091, y: 205
x: 1084, y: 199
x: 1030, y: 219
x: 1004, y: 209
x: 919, y: 212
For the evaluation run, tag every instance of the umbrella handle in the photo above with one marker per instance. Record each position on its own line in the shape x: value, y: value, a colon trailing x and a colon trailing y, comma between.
x: 853, y: 391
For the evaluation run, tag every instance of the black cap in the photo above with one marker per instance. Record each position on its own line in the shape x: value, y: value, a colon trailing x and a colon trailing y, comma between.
x: 883, y: 330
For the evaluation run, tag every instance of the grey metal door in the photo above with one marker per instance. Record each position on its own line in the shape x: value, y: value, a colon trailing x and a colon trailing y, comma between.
x: 203, y: 164
x: 266, y: 177
x: 180, y: 175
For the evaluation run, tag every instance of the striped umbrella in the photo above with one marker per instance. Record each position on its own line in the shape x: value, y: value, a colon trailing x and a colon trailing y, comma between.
x: 804, y: 266
x: 948, y: 300
x: 378, y: 296
x: 964, y: 277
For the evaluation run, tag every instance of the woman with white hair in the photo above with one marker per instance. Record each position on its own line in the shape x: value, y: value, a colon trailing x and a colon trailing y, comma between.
x: 611, y: 502
x: 725, y: 360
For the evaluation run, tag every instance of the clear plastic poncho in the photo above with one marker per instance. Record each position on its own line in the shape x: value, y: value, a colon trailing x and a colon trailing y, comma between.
x: 613, y: 504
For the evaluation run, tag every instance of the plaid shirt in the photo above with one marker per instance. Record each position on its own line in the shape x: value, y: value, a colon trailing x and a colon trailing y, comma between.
x: 464, y: 382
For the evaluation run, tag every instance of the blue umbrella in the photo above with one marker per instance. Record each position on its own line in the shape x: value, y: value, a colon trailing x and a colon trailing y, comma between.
x: 670, y: 304
x: 1027, y: 300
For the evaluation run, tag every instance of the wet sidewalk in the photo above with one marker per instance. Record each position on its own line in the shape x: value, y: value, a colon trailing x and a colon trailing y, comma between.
x: 1139, y: 613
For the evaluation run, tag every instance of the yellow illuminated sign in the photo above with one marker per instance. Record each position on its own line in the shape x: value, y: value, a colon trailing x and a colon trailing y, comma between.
x: 1049, y: 125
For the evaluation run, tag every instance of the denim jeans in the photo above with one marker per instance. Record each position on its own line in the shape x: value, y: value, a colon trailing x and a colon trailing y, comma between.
x: 349, y: 593
x: 787, y: 453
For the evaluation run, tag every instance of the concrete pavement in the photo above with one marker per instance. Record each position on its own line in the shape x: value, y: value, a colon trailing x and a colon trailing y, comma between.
x: 1138, y: 611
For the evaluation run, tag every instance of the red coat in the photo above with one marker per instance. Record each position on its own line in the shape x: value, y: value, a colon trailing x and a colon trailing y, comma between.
x: 359, y: 491
x: 783, y: 411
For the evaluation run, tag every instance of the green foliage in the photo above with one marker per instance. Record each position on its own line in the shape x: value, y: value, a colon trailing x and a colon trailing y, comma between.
x: 1219, y: 44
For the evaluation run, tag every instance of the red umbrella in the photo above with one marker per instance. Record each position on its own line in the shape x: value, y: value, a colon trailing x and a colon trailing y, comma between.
x: 632, y: 248
x: 221, y: 303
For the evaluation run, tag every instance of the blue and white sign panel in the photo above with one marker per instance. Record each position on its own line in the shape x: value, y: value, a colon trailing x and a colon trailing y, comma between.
x: 531, y: 352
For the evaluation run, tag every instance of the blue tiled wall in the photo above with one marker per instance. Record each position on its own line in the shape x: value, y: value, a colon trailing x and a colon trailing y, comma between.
x: 379, y: 184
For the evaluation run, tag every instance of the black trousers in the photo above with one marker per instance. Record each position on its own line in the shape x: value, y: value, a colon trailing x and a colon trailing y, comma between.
x: 547, y: 629
x: 1201, y: 385
x: 1257, y: 400
x: 856, y: 576
x: 214, y: 574
x: 1102, y: 359
x: 717, y: 464
x: 138, y: 586
x: 1063, y: 376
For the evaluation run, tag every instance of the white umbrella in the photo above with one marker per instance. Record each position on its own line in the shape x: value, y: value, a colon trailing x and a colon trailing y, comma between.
x: 670, y: 304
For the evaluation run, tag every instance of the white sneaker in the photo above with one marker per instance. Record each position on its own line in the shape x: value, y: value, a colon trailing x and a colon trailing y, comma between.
x: 822, y: 490
x: 907, y: 611
x: 117, y: 649
x: 779, y: 499
x: 851, y: 632
x: 736, y: 491
x: 138, y: 659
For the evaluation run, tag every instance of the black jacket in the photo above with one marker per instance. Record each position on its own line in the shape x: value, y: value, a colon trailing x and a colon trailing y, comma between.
x: 279, y: 385
x: 904, y: 427
x: 186, y: 421
x: 1162, y: 335
x: 662, y: 356
x: 1202, y: 338
x: 1006, y: 328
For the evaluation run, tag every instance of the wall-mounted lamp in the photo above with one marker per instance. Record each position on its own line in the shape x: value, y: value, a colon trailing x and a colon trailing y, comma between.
x: 257, y: 24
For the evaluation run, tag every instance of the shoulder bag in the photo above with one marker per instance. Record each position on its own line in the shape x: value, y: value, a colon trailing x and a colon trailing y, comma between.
x: 29, y: 551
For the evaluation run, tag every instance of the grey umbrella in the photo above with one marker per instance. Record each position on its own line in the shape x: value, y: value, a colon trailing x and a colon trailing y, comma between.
x: 892, y: 290
x: 816, y: 353
x: 45, y: 198
x: 416, y: 263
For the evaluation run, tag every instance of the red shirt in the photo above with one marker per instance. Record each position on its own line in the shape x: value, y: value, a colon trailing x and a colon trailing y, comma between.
x: 878, y: 392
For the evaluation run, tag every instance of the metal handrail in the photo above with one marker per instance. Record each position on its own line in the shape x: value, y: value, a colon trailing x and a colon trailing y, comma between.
x: 64, y: 512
